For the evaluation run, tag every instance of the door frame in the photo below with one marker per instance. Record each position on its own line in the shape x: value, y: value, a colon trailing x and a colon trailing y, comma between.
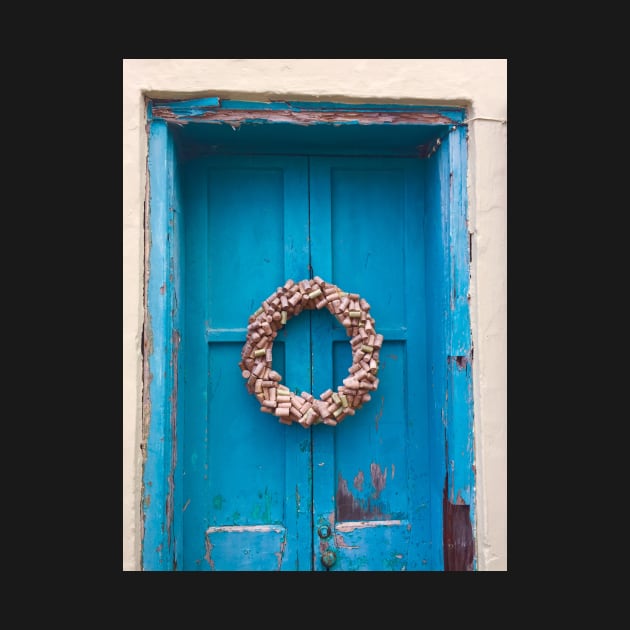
x: 451, y: 350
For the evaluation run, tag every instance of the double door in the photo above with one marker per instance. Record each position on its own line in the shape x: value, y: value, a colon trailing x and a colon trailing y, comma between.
x: 258, y: 494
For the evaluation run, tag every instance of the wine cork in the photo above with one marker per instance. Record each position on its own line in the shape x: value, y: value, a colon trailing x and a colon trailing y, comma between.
x: 309, y: 416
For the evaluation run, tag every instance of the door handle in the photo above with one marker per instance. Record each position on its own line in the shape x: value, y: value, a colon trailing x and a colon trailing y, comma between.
x: 329, y: 557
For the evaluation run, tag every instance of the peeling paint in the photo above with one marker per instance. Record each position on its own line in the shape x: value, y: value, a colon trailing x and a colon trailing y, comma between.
x: 340, y: 543
x: 176, y: 338
x: 351, y: 508
x: 350, y: 526
x: 379, y: 479
x: 146, y: 349
x: 461, y: 362
x: 237, y: 117
x: 280, y: 554
x: 244, y: 528
x: 458, y: 535
x: 208, y: 556
x: 358, y: 481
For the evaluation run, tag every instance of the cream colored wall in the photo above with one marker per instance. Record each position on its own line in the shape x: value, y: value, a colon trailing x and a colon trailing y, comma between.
x: 479, y: 84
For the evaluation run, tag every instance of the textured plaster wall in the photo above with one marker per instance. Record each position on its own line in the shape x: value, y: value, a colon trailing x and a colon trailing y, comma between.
x: 480, y: 85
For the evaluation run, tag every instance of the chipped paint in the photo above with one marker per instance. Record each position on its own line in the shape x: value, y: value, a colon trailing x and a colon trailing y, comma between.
x: 244, y: 528
x: 350, y: 526
x: 340, y: 543
x: 176, y: 338
x: 208, y: 556
x: 236, y: 117
x: 379, y: 479
x: 358, y: 481
x: 462, y: 362
x: 458, y: 534
x: 280, y: 554
x: 351, y: 508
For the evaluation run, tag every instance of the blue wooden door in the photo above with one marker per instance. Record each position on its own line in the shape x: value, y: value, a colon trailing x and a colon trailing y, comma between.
x: 261, y: 495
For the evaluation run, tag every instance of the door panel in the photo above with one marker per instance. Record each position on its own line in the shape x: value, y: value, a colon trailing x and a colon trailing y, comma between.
x: 247, y: 487
x: 259, y: 495
x: 370, y: 475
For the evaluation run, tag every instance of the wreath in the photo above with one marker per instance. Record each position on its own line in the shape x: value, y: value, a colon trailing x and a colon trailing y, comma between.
x: 353, y: 312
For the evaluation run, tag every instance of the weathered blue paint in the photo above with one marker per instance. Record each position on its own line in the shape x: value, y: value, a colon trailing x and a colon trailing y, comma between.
x: 162, y: 335
x: 245, y: 475
x: 226, y: 484
x: 189, y: 109
x: 459, y: 342
x: 194, y: 107
x: 451, y: 349
x: 367, y: 236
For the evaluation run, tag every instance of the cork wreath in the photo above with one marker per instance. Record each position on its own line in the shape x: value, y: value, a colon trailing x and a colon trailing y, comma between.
x: 353, y: 312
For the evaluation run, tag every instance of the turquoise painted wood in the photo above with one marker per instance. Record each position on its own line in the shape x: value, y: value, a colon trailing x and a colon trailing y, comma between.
x: 256, y: 492
x: 371, y: 482
x: 226, y: 487
x: 247, y: 480
x: 162, y: 349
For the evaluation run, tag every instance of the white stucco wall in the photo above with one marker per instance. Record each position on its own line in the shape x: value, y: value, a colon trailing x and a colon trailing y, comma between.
x: 479, y: 84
